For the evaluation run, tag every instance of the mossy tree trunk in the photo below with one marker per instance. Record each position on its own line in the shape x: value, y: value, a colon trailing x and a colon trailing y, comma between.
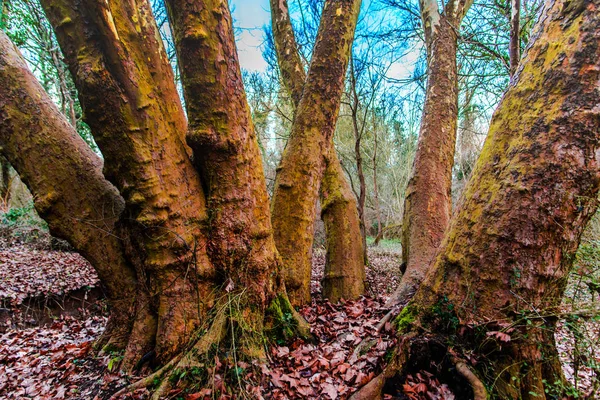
x: 428, y: 196
x: 221, y: 134
x: 185, y: 248
x: 308, y: 153
x: 494, y: 291
x: 128, y: 95
x: 344, y: 265
x: 65, y: 177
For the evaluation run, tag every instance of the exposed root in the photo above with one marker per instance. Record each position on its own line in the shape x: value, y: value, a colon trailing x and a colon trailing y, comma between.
x: 214, y: 336
x: 142, y: 383
x: 391, y: 314
x: 402, y: 294
x: 284, y: 322
x: 371, y: 390
x: 479, y: 390
x: 114, y: 338
x: 237, y: 327
x: 118, y: 328
x: 411, y: 352
x: 374, y: 389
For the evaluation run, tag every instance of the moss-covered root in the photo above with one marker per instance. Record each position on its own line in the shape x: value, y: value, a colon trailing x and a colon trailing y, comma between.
x: 213, y: 337
x: 283, y: 322
x: 215, y: 334
x: 239, y: 327
x: 374, y: 389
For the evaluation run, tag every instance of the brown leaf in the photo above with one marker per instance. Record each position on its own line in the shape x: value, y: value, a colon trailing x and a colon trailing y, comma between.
x: 329, y: 390
x: 503, y: 337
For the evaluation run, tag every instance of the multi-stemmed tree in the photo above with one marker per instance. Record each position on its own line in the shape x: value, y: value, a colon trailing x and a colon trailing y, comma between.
x: 176, y: 221
x: 176, y: 217
x: 309, y: 152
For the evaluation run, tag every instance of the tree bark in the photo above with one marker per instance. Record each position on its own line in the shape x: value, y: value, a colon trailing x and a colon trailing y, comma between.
x: 505, y: 260
x: 515, y: 35
x: 130, y: 102
x: 428, y: 196
x: 304, y: 160
x: 226, y: 152
x: 344, y: 264
x: 65, y: 177
x: 358, y: 132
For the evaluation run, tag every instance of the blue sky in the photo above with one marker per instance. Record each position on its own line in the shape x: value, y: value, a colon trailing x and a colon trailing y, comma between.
x: 251, y: 16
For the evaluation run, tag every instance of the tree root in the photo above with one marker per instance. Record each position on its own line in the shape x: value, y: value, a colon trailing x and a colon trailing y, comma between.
x: 141, y: 338
x: 235, y: 324
x: 118, y: 327
x: 113, y: 339
x: 408, y: 353
x: 479, y: 390
x: 147, y: 381
x: 373, y: 390
x: 403, y: 293
x: 391, y: 314
x: 213, y: 336
x: 283, y: 321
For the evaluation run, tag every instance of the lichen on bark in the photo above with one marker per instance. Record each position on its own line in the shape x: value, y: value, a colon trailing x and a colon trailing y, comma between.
x: 428, y: 201
x: 307, y: 154
x: 506, y: 256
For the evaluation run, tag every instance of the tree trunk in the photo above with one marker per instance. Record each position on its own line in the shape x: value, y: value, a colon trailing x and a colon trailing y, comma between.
x: 65, y: 177
x: 494, y: 291
x: 344, y: 276
x: 428, y: 196
x: 515, y: 35
x: 305, y: 158
x: 226, y: 151
x: 362, y: 184
x: 130, y: 102
x: 344, y: 262
x: 376, y: 186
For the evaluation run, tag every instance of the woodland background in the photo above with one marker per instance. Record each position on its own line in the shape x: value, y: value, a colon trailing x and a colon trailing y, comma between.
x: 375, y: 139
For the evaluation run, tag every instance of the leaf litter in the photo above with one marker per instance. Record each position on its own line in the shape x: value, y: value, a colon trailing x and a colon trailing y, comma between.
x: 57, y: 361
x: 26, y: 272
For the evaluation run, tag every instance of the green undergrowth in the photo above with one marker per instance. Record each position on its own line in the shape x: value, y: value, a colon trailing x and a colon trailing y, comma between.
x: 22, y: 226
x: 391, y: 244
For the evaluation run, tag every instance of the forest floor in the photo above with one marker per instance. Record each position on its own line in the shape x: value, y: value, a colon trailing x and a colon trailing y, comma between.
x: 52, y: 309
